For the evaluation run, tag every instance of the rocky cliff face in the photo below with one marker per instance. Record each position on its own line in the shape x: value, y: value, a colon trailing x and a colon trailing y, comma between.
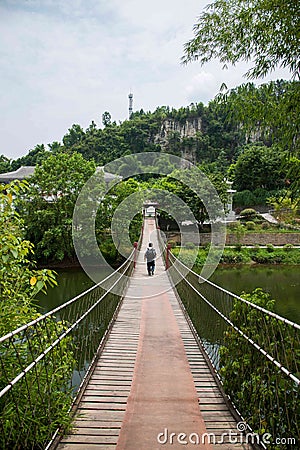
x: 174, y: 134
x: 187, y: 129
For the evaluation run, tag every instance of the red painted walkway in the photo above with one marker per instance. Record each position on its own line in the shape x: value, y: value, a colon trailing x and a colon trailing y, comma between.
x: 163, y: 394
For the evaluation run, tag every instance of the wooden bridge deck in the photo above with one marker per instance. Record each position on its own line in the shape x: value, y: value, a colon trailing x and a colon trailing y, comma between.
x: 151, y: 377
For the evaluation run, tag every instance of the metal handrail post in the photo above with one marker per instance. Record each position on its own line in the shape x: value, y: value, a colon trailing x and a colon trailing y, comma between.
x: 168, y: 256
x: 135, y: 245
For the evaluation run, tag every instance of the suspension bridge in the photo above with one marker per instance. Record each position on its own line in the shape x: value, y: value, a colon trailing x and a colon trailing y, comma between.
x: 146, y: 371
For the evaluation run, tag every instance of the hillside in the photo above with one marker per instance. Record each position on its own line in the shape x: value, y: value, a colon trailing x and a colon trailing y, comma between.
x: 244, y: 134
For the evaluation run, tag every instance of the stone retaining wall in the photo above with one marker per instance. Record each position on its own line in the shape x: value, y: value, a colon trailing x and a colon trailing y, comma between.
x: 248, y: 239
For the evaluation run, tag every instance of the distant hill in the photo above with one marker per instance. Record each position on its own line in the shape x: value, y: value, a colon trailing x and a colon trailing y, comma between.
x: 216, y: 133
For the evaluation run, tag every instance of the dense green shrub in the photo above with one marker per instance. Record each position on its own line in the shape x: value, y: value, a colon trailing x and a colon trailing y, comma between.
x: 189, y: 256
x: 259, y: 255
x: 250, y: 225
x: 38, y: 403
x: 232, y: 257
x: 266, y: 398
x: 201, y: 258
x: 189, y: 245
x: 252, y: 198
x: 263, y: 256
x: 244, y: 198
x: 231, y: 226
x: 248, y: 214
x: 108, y: 250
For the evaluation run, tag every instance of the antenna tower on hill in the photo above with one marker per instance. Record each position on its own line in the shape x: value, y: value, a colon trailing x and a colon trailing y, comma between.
x: 130, y: 96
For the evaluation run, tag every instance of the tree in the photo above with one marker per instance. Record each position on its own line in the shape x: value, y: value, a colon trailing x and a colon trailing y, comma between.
x: 43, y: 396
x: 75, y: 135
x: 106, y: 119
x: 269, y: 113
x: 177, y: 183
x: 55, y: 147
x: 4, y: 164
x: 266, y: 31
x: 285, y: 208
x: 292, y: 166
x: 19, y: 281
x: 35, y: 156
x: 258, y: 166
x: 114, y: 218
x: 92, y: 128
x: 49, y: 205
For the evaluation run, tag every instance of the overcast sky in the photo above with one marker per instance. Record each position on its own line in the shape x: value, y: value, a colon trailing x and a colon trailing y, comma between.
x: 68, y: 61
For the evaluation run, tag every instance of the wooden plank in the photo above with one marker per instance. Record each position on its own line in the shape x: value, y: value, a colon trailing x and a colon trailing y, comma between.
x: 113, y: 371
x: 89, y: 439
x: 97, y: 406
x: 106, y: 415
x: 209, y: 396
x: 225, y: 425
x: 104, y: 399
x: 109, y: 379
x: 98, y: 424
x: 115, y: 367
x: 206, y: 386
x: 115, y: 363
x: 207, y: 389
x: 122, y: 386
x: 113, y: 374
x: 119, y: 362
x: 215, y: 416
x: 115, y: 352
x: 211, y: 400
x: 202, y: 383
x: 121, y: 359
x: 92, y: 390
x: 217, y: 408
x: 110, y: 383
x: 203, y: 377
x: 95, y: 431
x: 73, y: 446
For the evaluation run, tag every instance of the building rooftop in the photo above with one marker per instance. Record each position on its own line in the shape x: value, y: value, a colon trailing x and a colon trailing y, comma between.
x: 27, y: 171
x: 19, y: 174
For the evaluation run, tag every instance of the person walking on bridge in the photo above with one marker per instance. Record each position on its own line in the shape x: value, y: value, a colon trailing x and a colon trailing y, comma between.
x: 150, y: 256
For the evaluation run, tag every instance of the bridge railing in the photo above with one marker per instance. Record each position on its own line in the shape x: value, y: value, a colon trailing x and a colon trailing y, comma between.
x: 44, y: 364
x: 254, y: 351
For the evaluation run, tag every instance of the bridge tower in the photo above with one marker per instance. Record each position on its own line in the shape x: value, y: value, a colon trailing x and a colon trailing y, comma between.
x: 130, y: 96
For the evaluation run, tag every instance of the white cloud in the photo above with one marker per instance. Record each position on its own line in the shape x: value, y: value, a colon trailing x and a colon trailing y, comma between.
x: 201, y: 87
x: 67, y: 61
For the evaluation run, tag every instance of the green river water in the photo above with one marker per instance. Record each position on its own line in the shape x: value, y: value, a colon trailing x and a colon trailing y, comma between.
x: 282, y: 282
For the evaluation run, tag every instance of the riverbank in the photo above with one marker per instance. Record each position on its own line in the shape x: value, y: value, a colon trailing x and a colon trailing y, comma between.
x: 264, y: 254
x: 66, y: 264
x: 252, y: 238
x: 287, y: 255
x: 59, y: 265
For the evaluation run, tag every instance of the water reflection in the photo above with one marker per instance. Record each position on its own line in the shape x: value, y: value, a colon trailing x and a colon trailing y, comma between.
x: 282, y: 282
x: 71, y: 282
